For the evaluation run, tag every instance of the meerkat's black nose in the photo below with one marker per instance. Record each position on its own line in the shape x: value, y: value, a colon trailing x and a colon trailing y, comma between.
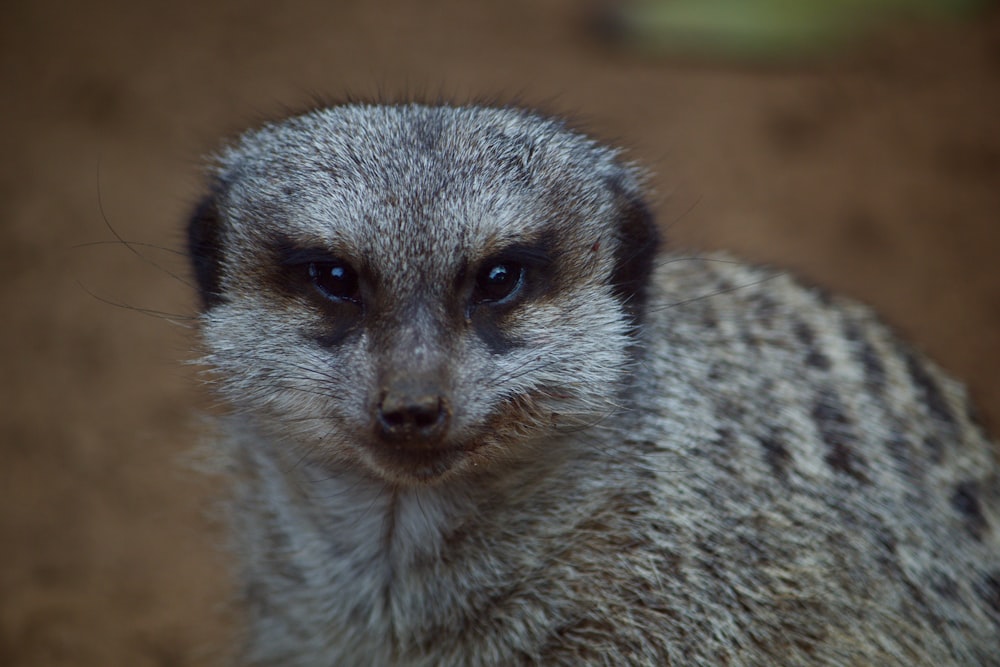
x: 412, y: 416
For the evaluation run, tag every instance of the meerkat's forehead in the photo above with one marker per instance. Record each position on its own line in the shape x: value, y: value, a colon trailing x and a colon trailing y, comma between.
x: 392, y: 180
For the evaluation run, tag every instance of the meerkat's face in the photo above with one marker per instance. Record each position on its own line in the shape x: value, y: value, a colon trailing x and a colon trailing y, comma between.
x: 420, y: 291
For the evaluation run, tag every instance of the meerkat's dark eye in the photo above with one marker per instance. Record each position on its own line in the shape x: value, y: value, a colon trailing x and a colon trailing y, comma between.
x: 335, y: 280
x: 498, y: 282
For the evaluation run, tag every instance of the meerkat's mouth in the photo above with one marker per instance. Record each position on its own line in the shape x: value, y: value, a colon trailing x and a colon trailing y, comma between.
x: 421, y: 463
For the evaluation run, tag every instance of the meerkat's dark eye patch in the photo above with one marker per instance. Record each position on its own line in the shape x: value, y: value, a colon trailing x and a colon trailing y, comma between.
x: 335, y: 280
x: 332, y: 277
x: 507, y: 275
x: 497, y: 282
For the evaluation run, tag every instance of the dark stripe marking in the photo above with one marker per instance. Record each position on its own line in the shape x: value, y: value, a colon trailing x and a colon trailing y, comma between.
x: 870, y: 361
x: 806, y: 336
x: 837, y: 432
x: 776, y: 455
x: 988, y: 590
x: 723, y: 437
x: 934, y: 448
x: 767, y: 309
x: 965, y: 500
x: 944, y: 585
x: 931, y: 393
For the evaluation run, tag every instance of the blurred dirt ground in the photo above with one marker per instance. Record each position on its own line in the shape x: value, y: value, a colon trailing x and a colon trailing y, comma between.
x: 876, y: 173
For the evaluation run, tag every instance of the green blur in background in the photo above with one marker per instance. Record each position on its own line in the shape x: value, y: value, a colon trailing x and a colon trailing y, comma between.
x: 767, y: 29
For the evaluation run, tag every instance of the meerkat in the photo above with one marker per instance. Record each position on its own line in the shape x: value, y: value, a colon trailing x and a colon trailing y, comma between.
x: 480, y: 417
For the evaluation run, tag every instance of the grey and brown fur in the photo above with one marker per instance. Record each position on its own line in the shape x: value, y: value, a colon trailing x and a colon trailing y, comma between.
x: 629, y: 458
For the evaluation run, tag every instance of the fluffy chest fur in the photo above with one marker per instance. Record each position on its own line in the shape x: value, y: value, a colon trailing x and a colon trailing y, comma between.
x: 345, y: 567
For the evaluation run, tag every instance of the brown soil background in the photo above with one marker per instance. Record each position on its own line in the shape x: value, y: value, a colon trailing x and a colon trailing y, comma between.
x: 876, y: 173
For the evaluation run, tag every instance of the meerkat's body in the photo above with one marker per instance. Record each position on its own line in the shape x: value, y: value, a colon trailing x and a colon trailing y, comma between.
x: 479, y: 422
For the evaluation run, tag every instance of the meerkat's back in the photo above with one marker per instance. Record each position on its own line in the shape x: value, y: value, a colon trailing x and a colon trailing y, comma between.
x: 480, y: 418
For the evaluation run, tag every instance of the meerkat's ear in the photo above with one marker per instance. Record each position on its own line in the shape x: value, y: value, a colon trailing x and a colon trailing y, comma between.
x: 205, y: 250
x: 639, y: 241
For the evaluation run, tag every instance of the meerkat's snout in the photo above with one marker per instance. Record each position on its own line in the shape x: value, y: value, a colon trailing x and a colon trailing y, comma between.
x: 412, y: 411
x: 411, y: 421
x: 410, y: 405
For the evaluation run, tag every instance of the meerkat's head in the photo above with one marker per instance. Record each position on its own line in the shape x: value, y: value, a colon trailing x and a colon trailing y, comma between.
x: 421, y: 291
